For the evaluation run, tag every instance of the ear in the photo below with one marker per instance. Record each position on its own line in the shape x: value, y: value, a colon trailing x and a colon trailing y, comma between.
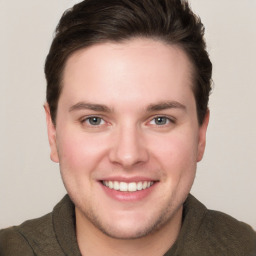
x: 202, y: 136
x: 51, y: 129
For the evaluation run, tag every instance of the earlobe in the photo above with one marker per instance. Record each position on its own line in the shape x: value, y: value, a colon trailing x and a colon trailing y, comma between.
x: 202, y: 136
x: 51, y: 129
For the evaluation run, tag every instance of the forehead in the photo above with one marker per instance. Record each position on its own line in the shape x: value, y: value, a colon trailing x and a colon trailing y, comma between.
x: 127, y: 70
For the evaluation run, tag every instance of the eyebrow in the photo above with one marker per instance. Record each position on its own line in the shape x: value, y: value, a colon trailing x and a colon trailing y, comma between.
x: 91, y: 106
x: 103, y: 108
x: 165, y: 105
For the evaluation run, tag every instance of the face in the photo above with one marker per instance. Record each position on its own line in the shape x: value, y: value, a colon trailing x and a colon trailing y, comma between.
x: 127, y: 136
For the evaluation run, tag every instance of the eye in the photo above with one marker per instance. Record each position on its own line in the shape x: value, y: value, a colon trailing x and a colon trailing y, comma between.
x: 160, y: 120
x: 94, y: 121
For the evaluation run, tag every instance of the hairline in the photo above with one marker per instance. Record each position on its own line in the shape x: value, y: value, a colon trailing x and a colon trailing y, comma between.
x: 192, y: 66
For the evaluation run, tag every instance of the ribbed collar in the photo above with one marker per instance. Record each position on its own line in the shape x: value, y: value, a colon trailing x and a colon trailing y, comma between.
x: 65, y: 226
x: 193, y: 213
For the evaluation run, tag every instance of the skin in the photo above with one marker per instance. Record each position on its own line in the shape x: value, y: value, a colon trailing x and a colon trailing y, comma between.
x: 127, y: 86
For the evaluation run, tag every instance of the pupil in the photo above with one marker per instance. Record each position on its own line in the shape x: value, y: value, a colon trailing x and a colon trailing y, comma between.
x: 161, y: 120
x: 94, y: 120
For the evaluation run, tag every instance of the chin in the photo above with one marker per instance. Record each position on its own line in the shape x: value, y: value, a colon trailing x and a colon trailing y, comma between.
x: 132, y: 228
x: 130, y: 233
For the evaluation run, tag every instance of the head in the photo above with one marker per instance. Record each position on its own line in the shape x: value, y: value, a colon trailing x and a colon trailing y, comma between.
x: 97, y: 21
x: 127, y: 92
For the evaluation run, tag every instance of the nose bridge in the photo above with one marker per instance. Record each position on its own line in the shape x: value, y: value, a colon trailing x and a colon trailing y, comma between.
x: 129, y: 146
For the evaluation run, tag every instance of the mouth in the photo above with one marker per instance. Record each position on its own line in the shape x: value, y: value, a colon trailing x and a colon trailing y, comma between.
x: 128, y: 186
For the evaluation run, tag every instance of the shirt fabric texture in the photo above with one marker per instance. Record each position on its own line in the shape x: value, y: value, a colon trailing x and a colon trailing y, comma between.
x: 204, y: 233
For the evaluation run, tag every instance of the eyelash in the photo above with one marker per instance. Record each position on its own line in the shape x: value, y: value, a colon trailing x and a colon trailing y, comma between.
x: 88, y: 120
x: 167, y: 119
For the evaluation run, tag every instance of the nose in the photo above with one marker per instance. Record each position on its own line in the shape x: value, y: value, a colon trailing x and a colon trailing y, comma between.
x: 128, y: 148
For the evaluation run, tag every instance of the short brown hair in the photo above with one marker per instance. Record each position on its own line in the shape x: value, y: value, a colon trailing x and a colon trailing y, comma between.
x: 97, y: 21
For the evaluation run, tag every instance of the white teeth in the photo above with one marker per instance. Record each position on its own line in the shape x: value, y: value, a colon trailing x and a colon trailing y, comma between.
x: 139, y: 185
x: 116, y: 185
x: 144, y: 185
x: 111, y: 185
x: 131, y: 187
x: 123, y: 186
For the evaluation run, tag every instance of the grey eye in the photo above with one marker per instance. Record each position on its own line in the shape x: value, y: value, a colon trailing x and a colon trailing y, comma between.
x: 94, y: 120
x: 161, y: 120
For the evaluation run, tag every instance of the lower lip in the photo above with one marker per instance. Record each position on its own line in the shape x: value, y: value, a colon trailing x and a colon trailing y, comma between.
x: 128, y: 196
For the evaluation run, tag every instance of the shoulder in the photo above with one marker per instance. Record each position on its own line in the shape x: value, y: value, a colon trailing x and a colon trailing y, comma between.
x: 33, y: 237
x: 46, y: 235
x: 13, y: 243
x: 227, y: 225
x: 228, y: 228
x: 223, y: 234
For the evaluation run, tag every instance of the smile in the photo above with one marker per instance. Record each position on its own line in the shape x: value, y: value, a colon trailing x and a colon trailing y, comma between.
x: 128, y: 187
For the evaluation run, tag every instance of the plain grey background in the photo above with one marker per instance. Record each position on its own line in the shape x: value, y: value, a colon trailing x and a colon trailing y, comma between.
x: 30, y: 184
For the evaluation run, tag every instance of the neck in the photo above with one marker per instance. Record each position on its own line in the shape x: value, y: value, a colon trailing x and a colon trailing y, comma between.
x: 92, y: 241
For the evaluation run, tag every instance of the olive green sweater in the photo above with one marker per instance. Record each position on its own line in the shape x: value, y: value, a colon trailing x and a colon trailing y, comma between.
x: 203, y: 233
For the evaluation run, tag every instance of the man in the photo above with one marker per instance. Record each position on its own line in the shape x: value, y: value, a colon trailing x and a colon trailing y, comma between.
x: 128, y: 84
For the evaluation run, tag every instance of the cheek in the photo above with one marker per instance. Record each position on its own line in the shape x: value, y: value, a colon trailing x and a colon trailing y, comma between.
x: 177, y: 153
x: 79, y: 158
x: 79, y: 152
x: 180, y: 166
